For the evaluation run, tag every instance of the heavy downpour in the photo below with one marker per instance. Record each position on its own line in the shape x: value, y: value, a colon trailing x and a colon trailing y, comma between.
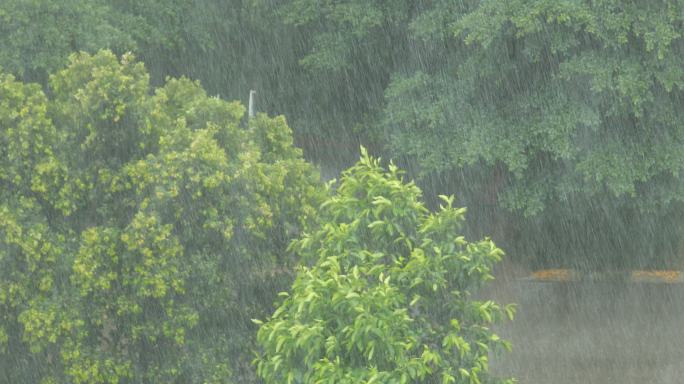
x: 341, y: 191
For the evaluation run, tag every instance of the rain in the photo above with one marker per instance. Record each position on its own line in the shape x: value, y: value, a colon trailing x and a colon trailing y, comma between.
x: 350, y: 191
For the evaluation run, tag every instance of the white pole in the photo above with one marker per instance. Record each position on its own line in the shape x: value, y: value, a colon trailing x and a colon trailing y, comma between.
x: 252, y: 96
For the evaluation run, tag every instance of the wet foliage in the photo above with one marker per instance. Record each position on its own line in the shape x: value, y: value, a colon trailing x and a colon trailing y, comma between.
x: 140, y: 228
x: 541, y: 115
x: 388, y: 295
x: 144, y: 219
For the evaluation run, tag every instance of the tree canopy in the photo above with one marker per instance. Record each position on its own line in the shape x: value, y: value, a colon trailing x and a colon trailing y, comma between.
x: 565, y: 113
x: 388, y: 296
x: 557, y: 100
x: 569, y: 97
x: 140, y: 228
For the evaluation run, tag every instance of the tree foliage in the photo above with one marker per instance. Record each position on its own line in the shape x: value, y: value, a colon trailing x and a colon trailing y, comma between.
x: 32, y: 49
x: 570, y: 97
x: 566, y: 113
x: 140, y: 229
x: 564, y: 99
x: 231, y: 46
x: 388, y: 296
x: 561, y: 94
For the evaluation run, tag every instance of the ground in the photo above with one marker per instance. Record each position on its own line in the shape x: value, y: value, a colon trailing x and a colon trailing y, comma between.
x: 600, y: 332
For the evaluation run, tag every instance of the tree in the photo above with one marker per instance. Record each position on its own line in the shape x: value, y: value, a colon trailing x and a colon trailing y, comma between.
x: 566, y: 113
x: 389, y: 293
x: 575, y: 104
x: 559, y: 114
x: 557, y: 91
x: 139, y: 232
x: 31, y: 49
x: 231, y: 46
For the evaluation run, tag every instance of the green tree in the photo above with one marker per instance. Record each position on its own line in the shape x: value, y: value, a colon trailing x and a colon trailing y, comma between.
x: 568, y: 96
x: 388, y: 296
x: 39, y: 35
x: 140, y: 230
x: 566, y: 113
x: 231, y: 46
x: 575, y: 105
x: 560, y: 114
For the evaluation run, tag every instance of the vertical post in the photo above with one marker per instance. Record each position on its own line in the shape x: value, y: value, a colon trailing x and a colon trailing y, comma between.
x: 252, y: 97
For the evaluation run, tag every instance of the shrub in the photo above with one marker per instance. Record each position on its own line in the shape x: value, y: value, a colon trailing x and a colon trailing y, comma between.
x: 388, y: 295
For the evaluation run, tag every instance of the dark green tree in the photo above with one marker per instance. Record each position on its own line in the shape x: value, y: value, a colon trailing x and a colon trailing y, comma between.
x: 37, y: 36
x: 574, y: 104
x: 565, y: 113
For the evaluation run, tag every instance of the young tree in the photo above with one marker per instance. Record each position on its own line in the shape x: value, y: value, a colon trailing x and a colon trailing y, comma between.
x: 139, y: 231
x: 389, y: 293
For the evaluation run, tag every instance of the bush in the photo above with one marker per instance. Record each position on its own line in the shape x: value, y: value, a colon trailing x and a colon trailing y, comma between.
x: 388, y: 297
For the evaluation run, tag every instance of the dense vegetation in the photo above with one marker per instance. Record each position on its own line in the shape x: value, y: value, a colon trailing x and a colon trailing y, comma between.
x: 144, y: 222
x: 550, y: 119
x: 139, y: 231
x: 566, y: 113
x: 388, y: 298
